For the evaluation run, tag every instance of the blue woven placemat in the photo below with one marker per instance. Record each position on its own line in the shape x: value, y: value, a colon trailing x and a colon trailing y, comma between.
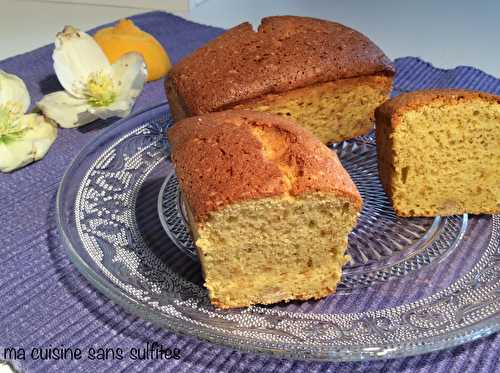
x: 44, y: 301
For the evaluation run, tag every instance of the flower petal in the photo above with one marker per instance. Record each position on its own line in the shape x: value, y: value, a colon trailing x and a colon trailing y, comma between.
x: 129, y: 75
x: 121, y: 108
x: 32, y: 146
x: 42, y: 134
x: 66, y: 110
x: 13, y: 91
x: 15, y: 155
x: 76, y: 56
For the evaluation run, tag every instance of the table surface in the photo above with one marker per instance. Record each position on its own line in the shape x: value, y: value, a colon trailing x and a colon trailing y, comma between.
x: 448, y: 32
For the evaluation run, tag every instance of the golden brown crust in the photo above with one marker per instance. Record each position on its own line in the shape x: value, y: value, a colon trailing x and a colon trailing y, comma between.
x: 174, y: 101
x: 285, y: 53
x: 385, y: 113
x: 234, y: 156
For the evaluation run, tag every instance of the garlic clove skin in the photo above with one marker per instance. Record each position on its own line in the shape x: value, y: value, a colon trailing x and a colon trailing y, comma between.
x: 66, y: 110
x: 32, y: 145
x: 13, y: 93
x: 76, y: 57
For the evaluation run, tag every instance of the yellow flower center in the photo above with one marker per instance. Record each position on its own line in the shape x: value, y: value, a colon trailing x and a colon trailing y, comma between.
x: 11, y: 129
x: 100, y: 90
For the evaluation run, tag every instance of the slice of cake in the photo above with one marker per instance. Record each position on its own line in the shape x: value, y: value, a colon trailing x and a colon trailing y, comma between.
x: 270, y: 206
x: 328, y: 77
x: 439, y: 152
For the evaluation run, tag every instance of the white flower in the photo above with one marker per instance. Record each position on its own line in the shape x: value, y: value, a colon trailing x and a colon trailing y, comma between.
x: 93, y: 87
x: 23, y: 138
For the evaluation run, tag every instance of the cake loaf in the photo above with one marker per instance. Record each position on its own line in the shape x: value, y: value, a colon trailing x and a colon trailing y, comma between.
x: 270, y: 207
x: 328, y: 77
x: 439, y: 152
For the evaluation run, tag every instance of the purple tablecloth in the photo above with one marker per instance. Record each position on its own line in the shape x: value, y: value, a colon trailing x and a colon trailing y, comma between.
x: 44, y: 301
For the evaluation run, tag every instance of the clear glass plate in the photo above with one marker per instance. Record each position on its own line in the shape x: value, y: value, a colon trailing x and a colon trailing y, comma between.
x: 414, y: 285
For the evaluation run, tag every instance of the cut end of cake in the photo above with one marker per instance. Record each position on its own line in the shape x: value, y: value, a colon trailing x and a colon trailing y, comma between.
x: 272, y: 250
x: 333, y: 111
x: 270, y: 207
x: 439, y: 152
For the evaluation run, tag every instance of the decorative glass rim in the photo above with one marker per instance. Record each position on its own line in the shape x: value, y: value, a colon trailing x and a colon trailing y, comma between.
x: 376, y: 351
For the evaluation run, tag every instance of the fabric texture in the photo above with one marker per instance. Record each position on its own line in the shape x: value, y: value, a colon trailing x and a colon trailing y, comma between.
x: 44, y: 301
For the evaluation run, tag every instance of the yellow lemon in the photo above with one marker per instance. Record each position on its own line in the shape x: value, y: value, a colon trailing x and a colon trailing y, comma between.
x: 126, y: 37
